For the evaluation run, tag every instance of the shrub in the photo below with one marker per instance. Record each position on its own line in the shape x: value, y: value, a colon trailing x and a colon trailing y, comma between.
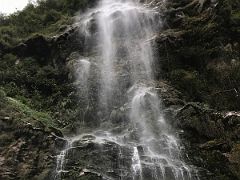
x: 188, y: 81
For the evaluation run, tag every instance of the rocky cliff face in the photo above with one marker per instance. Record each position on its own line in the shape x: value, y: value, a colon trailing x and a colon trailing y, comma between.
x: 213, y: 138
x: 199, y: 51
x: 198, y: 55
x: 28, y: 146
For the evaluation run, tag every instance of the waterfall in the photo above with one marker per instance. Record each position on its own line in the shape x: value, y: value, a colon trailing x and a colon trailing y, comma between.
x: 128, y: 110
x: 61, y: 158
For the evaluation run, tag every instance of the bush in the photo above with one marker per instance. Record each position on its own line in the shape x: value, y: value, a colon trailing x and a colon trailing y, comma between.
x: 2, y: 95
x: 51, y: 17
x: 188, y: 81
x: 27, y: 112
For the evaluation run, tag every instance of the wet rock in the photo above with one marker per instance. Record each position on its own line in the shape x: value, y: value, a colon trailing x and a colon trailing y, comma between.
x: 169, y: 95
x: 114, y: 116
x: 200, y: 120
x: 118, y: 117
x: 88, y: 174
x: 100, y: 159
x: 221, y: 145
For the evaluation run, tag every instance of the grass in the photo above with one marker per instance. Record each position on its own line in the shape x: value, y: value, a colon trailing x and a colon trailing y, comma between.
x: 29, y: 114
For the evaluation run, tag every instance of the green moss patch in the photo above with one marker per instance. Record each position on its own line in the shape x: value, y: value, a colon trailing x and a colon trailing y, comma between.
x: 29, y: 113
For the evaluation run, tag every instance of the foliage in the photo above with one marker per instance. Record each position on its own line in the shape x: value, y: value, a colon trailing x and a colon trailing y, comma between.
x: 11, y: 107
x: 188, y: 80
x: 35, y: 82
x: 29, y: 113
x: 2, y: 97
x: 46, y: 17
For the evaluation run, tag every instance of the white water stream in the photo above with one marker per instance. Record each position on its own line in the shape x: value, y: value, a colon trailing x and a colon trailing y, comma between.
x: 126, y: 56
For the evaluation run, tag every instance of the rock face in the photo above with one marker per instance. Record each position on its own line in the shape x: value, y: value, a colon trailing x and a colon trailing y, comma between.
x: 27, y: 147
x: 191, y: 58
x: 213, y: 138
x: 38, y: 46
x: 190, y: 54
x: 26, y: 151
x: 89, y: 159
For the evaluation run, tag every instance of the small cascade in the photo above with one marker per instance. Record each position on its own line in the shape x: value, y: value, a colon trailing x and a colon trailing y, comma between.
x: 161, y: 148
x: 82, y: 70
x: 136, y: 164
x: 82, y: 73
x: 61, y: 160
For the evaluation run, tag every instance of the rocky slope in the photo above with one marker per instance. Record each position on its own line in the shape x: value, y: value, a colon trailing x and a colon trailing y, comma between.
x: 28, y: 145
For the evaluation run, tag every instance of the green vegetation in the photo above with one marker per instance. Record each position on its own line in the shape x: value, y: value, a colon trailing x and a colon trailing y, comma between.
x: 29, y: 113
x: 33, y: 79
x: 2, y: 97
x: 183, y: 78
x: 40, y: 86
x: 12, y: 108
x: 47, y: 17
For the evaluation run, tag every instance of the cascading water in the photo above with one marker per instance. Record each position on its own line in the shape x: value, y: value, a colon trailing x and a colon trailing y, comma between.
x: 61, y: 160
x: 128, y: 107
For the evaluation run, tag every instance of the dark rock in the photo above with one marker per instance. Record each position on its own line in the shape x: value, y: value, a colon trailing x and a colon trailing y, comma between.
x: 213, y: 139
x: 221, y: 145
x: 37, y: 46
x: 201, y: 121
x: 84, y: 157
x: 169, y: 95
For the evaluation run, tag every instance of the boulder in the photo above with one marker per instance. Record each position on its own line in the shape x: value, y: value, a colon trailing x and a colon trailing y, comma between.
x: 36, y: 46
